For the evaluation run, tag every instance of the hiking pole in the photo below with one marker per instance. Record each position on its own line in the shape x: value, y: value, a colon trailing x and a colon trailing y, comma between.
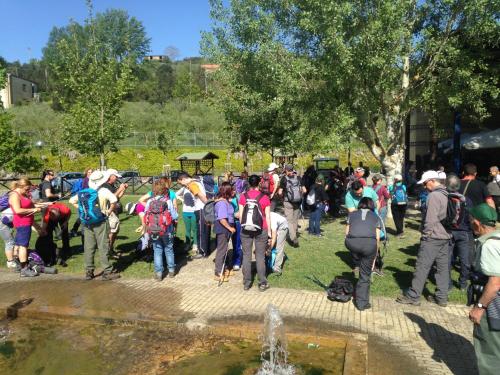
x: 221, y: 274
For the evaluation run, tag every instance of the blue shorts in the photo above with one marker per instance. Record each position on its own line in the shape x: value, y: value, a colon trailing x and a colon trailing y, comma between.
x: 23, y: 236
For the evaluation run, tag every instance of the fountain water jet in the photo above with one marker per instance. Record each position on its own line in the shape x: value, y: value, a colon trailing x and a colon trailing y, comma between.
x: 274, y: 345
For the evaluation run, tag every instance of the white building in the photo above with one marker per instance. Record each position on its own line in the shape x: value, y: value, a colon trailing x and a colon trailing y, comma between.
x: 17, y: 90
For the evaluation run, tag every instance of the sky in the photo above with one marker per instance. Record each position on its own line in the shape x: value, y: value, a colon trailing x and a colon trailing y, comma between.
x: 26, y: 24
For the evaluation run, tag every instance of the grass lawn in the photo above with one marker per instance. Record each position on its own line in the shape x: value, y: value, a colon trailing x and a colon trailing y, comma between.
x: 324, y: 258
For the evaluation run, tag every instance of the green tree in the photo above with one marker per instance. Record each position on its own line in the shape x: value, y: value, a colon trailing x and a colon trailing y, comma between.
x: 95, y: 82
x: 187, y: 83
x: 368, y: 63
x: 14, y: 150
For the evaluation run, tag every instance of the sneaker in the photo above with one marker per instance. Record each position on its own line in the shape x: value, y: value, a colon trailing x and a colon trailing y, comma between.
x: 405, y: 300
x: 107, y: 276
x: 11, y: 264
x: 26, y: 272
x: 433, y: 299
x: 236, y: 268
x: 194, y: 248
x: 158, y: 276
x: 263, y: 287
x: 171, y: 274
x: 89, y: 275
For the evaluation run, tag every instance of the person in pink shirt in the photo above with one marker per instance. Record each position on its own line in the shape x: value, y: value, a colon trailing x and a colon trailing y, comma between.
x: 383, y: 195
x: 255, y: 209
x: 24, y: 210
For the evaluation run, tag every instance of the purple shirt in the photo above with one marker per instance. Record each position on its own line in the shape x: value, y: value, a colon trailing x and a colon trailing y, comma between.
x: 223, y: 210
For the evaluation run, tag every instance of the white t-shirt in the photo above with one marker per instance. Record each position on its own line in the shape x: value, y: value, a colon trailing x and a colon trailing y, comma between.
x: 278, y: 222
x: 276, y: 181
x: 188, y: 200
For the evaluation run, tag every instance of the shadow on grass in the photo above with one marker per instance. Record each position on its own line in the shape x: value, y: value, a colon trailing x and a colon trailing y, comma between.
x: 403, y: 278
x: 346, y: 257
x: 411, y: 250
x: 445, y: 345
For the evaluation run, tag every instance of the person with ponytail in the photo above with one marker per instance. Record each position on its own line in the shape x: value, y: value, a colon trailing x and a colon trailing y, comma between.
x: 23, y: 210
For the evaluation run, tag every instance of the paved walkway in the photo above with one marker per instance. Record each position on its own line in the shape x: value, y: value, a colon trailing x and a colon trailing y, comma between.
x: 439, y: 339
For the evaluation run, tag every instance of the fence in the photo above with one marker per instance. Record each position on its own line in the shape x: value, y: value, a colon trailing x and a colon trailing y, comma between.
x: 41, y: 138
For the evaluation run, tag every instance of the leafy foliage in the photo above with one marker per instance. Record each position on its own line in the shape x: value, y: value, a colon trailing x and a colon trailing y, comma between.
x: 95, y: 83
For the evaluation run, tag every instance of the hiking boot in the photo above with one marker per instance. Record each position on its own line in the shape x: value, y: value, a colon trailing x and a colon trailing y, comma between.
x: 26, y: 272
x: 246, y: 287
x: 263, y: 287
x: 433, y: 299
x: 405, y: 300
x: 107, y: 276
x: 113, y: 254
x: 11, y: 264
x: 89, y: 275
x: 158, y: 276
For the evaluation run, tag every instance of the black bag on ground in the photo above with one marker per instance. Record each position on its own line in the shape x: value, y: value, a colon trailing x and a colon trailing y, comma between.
x: 340, y: 290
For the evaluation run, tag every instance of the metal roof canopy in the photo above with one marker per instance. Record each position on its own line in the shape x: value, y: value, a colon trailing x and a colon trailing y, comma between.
x: 325, y: 163
x: 197, y: 163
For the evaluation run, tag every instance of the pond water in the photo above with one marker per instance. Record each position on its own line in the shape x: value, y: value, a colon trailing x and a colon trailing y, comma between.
x: 54, y: 347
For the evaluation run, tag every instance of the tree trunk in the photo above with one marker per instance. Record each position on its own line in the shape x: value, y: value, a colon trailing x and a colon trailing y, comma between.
x: 394, y: 163
x: 102, y: 160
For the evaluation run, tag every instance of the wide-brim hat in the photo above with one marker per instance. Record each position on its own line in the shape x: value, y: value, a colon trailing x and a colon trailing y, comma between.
x: 113, y: 172
x: 272, y: 167
x: 97, y: 178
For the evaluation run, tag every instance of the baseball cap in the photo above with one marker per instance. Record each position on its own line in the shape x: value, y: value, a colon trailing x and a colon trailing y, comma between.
x: 429, y: 175
x: 485, y: 214
x: 272, y: 167
x: 288, y: 167
x: 398, y: 177
x: 113, y: 172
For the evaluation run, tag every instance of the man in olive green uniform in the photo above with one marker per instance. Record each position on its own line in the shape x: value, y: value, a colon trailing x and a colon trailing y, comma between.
x: 486, y: 312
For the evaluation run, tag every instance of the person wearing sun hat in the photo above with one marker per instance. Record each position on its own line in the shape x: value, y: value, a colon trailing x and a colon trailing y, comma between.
x: 435, y: 245
x: 272, y: 170
x: 96, y: 236
x: 487, y: 325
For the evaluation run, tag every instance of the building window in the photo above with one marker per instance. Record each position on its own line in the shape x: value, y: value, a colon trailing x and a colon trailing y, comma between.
x: 24, y: 87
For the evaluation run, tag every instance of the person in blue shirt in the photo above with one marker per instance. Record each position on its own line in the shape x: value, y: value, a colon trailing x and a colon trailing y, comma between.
x: 236, y: 239
x: 358, y: 191
x: 399, y: 203
x: 224, y: 229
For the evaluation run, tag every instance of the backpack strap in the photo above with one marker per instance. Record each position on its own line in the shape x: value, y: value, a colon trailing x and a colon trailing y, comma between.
x: 259, y: 197
x: 466, y: 187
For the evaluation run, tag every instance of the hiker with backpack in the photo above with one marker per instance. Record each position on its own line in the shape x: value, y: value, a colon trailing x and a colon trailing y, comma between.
x: 189, y: 218
x: 485, y: 291
x: 83, y: 183
x: 254, y: 208
x: 461, y: 230
x: 94, y: 205
x: 200, y: 199
x: 224, y: 228
x: 317, y: 200
x: 56, y: 216
x: 291, y: 190
x: 269, y: 184
x: 159, y: 218
x: 399, y: 203
x: 362, y: 240
x: 383, y: 195
x: 473, y: 188
x: 435, y: 245
x: 24, y: 210
x: 6, y: 230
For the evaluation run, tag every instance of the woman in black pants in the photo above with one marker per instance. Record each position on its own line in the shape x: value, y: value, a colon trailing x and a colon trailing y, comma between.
x: 362, y: 238
x: 399, y: 202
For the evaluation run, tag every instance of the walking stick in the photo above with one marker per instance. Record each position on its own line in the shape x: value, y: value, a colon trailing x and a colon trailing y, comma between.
x: 221, y: 274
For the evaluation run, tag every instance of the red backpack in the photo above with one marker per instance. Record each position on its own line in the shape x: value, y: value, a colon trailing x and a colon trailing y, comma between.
x: 157, y: 218
x: 267, y: 183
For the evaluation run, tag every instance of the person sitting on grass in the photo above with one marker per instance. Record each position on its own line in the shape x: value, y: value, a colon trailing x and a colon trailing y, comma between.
x: 362, y: 240
x: 224, y: 228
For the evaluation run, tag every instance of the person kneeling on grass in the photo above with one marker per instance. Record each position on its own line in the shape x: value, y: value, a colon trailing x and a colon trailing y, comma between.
x: 279, y: 231
x: 159, y: 218
x: 224, y: 228
x: 362, y: 239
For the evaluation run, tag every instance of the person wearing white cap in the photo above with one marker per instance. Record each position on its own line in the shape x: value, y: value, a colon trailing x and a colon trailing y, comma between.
x: 435, y: 245
x: 96, y: 235
x: 113, y: 219
x: 270, y: 183
x: 399, y: 203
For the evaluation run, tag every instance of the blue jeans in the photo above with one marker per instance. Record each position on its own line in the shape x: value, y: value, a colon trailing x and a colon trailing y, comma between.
x: 315, y: 219
x: 383, y: 213
x: 463, y: 244
x: 237, y: 252
x: 164, y: 245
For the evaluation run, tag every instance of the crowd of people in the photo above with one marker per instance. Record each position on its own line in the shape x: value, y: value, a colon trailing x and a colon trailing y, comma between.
x: 255, y: 216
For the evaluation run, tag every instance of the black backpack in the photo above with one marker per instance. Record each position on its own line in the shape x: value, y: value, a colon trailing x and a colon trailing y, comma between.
x: 340, y: 290
x: 456, y: 211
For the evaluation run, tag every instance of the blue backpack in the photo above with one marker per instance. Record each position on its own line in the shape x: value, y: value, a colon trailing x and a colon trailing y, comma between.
x: 88, y: 207
x: 399, y: 196
x: 77, y: 186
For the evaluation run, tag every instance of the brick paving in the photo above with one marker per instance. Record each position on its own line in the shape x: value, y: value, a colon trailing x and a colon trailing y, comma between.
x: 438, y: 339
